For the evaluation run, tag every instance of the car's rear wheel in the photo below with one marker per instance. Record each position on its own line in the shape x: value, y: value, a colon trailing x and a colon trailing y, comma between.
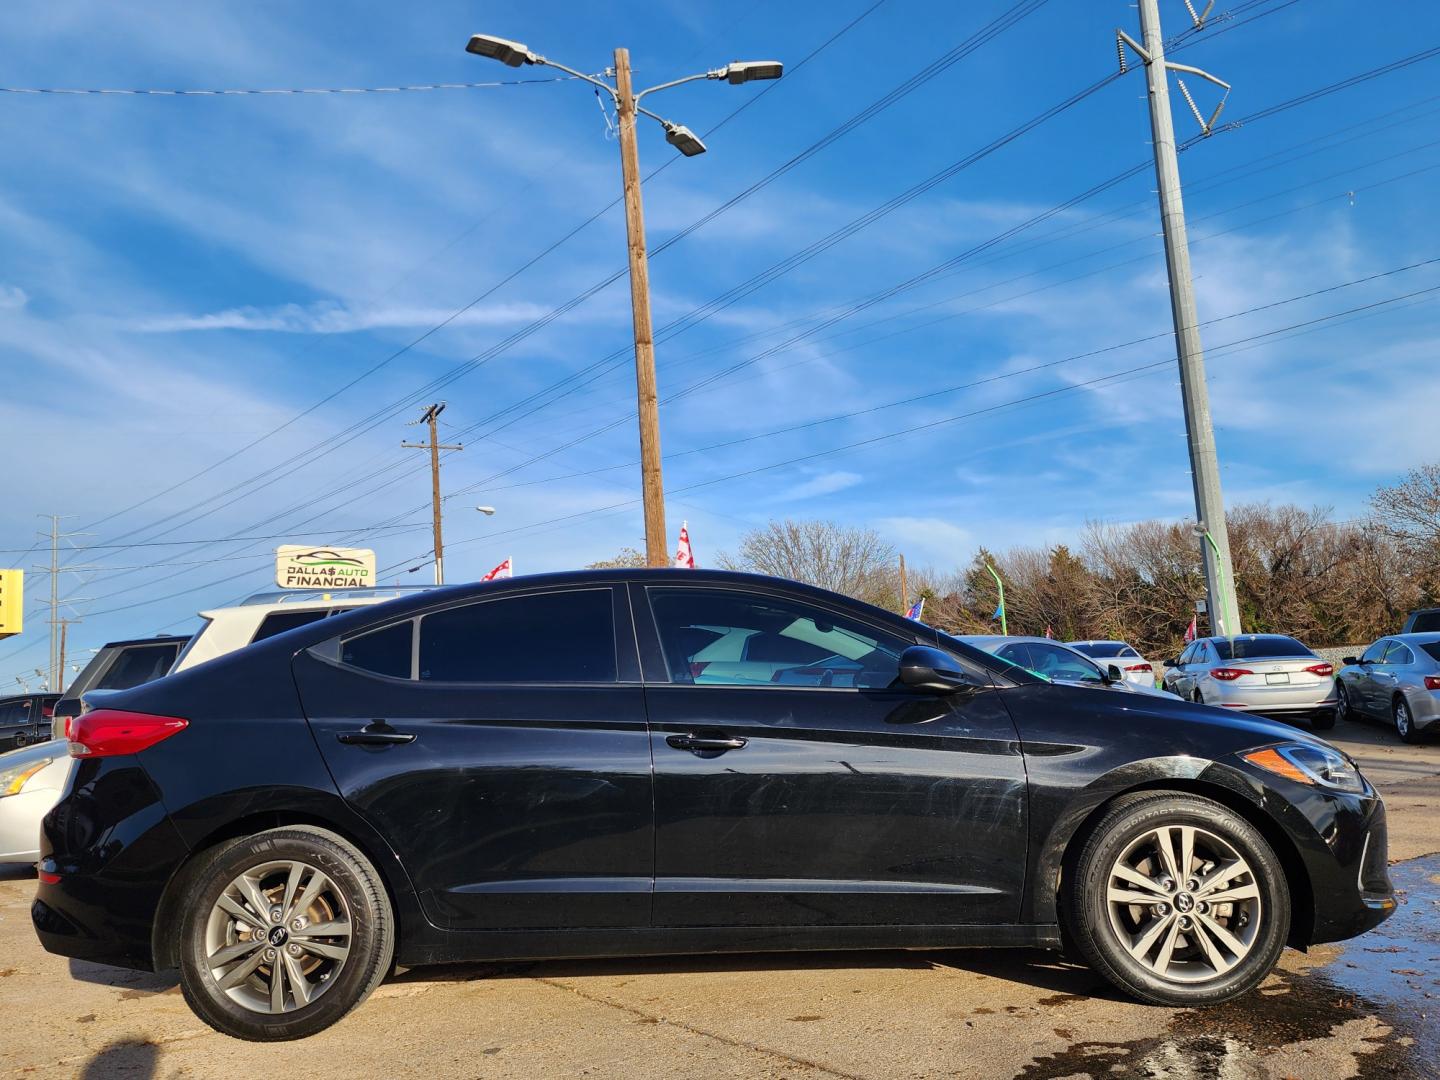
x: 282, y: 933
x: 1404, y: 720
x: 1177, y: 900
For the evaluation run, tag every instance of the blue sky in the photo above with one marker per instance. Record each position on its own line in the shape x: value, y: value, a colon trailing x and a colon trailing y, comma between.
x: 179, y: 276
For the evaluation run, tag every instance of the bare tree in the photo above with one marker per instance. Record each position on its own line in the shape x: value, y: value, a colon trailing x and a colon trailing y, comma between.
x: 624, y: 559
x: 1410, y: 510
x: 844, y: 559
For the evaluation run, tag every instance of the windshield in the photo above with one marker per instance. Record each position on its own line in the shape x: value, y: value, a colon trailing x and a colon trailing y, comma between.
x: 1259, y: 648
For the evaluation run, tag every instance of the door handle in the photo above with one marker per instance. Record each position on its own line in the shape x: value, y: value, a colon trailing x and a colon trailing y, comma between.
x: 375, y: 733
x: 702, y: 742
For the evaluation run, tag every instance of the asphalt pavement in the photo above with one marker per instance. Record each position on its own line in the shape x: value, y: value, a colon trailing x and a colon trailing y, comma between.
x: 1367, y: 1008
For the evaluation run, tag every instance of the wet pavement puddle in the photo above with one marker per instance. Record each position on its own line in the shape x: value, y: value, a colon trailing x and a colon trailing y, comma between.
x: 1373, y: 1011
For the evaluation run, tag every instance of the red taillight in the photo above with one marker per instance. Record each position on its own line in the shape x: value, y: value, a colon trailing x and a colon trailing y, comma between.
x: 48, y: 878
x: 1229, y: 674
x: 1141, y: 667
x: 112, y: 732
x: 47, y: 711
x: 1323, y: 670
x: 1432, y: 682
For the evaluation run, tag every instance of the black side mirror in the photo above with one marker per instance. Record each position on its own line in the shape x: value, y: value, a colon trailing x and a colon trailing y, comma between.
x: 1113, y: 674
x: 926, y: 668
x: 1174, y: 661
x: 1350, y: 660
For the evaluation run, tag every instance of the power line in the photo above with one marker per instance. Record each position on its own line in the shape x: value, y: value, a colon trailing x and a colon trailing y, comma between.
x: 111, y: 92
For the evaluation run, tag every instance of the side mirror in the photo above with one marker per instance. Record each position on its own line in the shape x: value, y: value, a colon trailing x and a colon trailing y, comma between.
x: 1349, y: 660
x: 1114, y: 674
x: 1174, y: 661
x: 926, y: 668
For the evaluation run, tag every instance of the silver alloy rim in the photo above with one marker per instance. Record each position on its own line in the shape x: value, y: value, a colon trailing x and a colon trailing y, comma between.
x: 1344, y: 701
x: 278, y: 937
x: 1402, y: 717
x: 1183, y: 903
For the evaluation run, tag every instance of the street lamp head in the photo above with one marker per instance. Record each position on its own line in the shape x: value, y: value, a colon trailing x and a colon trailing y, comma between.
x: 486, y: 510
x: 496, y: 48
x: 683, y: 139
x: 743, y: 71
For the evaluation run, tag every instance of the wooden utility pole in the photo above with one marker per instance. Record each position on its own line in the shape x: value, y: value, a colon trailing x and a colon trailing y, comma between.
x: 430, y: 416
x: 904, y: 588
x: 647, y: 399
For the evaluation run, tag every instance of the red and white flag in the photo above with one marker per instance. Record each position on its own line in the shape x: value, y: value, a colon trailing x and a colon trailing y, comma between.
x: 1048, y: 634
x: 1190, y: 630
x: 501, y: 571
x: 684, y: 557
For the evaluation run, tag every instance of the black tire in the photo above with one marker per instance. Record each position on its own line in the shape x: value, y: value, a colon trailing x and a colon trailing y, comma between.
x: 1323, y: 721
x: 1196, y: 697
x: 1404, y: 720
x: 357, y: 889
x: 1343, y: 711
x: 1127, y: 822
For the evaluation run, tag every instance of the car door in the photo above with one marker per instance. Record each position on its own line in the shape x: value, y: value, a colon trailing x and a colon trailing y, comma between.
x: 1365, y: 695
x: 1177, y: 679
x: 499, y: 745
x: 1385, y: 677
x: 799, y: 785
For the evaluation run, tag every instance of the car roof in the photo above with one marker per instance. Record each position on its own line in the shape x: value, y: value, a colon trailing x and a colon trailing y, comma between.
x: 28, y: 697
x: 1099, y: 641
x: 1247, y: 637
x: 1426, y: 637
x: 994, y: 639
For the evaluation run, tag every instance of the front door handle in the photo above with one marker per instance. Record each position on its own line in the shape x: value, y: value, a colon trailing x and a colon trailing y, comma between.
x: 705, y: 742
x: 375, y: 733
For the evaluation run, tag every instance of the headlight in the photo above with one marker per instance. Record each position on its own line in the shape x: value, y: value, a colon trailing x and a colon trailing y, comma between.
x: 1318, y: 766
x: 13, y: 778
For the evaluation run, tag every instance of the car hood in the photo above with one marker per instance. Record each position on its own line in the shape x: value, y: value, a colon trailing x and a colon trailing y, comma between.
x: 1248, y: 730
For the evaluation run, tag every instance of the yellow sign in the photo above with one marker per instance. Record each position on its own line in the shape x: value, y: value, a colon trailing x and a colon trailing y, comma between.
x: 12, y: 602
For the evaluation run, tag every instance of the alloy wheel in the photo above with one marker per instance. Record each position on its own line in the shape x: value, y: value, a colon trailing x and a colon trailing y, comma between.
x: 1342, y: 703
x: 1402, y: 718
x: 278, y: 936
x: 1184, y: 903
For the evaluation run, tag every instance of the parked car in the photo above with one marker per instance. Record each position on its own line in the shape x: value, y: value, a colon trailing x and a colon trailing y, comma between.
x: 1397, y: 679
x: 544, y: 767
x: 1134, y: 667
x: 24, y: 718
x: 1422, y: 621
x: 266, y: 614
x: 1270, y: 674
x: 1061, y: 663
x: 31, y: 779
x: 119, y: 665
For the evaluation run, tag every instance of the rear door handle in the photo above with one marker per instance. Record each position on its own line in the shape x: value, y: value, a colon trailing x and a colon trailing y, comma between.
x: 375, y: 733
x: 702, y: 742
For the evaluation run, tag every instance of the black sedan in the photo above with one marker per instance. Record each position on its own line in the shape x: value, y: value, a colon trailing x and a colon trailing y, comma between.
x: 647, y: 762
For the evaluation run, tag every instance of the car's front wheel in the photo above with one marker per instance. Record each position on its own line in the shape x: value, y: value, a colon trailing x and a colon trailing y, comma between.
x: 1177, y: 900
x: 1342, y: 702
x: 282, y: 933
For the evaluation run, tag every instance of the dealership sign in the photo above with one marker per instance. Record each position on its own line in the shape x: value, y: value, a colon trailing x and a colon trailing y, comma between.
x: 301, y: 567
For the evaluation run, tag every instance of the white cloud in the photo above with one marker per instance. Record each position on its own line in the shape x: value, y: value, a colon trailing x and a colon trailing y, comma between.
x: 328, y: 317
x: 12, y: 297
x: 826, y: 483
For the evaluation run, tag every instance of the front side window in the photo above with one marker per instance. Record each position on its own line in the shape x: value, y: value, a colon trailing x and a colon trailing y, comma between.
x: 1375, y: 652
x: 561, y: 637
x: 723, y: 638
x: 388, y: 651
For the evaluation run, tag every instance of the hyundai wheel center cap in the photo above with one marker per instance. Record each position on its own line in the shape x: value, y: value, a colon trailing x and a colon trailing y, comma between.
x: 1184, y: 902
x: 278, y: 936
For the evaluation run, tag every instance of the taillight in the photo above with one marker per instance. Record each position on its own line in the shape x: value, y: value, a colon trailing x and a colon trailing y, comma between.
x: 1141, y: 667
x: 113, y: 732
x: 1229, y: 674
x: 1323, y: 670
x: 47, y: 712
x: 1432, y: 682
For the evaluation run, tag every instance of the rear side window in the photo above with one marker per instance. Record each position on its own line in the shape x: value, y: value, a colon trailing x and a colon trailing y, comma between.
x: 137, y: 665
x: 563, y: 637
x: 277, y: 622
x: 1433, y: 648
x: 1399, y: 653
x: 385, y: 652
x: 1259, y: 648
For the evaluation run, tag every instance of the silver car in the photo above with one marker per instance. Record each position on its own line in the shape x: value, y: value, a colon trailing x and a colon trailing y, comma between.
x: 1270, y: 674
x: 1059, y: 663
x: 31, y: 781
x: 1397, y: 680
x: 1135, y: 668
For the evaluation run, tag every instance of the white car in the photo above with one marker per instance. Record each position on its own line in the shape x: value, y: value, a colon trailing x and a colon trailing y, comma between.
x: 1135, y: 668
x: 223, y: 630
x: 31, y: 780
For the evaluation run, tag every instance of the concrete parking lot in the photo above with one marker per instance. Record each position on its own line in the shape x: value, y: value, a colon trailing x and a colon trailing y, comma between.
x: 1366, y: 1008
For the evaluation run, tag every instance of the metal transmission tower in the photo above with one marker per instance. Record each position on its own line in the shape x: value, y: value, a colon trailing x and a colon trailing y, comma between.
x: 1212, y: 534
x: 55, y: 679
x: 431, y: 416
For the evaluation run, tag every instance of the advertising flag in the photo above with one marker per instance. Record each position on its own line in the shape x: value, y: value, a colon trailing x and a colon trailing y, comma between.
x: 917, y: 609
x: 684, y: 556
x: 504, y: 570
x: 1190, y: 631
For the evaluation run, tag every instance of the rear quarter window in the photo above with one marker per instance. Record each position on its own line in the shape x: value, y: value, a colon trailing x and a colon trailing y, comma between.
x: 138, y: 665
x: 277, y: 622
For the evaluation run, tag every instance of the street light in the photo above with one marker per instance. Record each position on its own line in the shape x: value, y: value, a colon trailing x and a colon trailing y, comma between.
x: 627, y: 107
x: 488, y: 511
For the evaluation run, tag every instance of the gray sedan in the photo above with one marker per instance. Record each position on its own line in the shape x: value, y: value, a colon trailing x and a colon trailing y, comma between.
x: 1396, y: 680
x: 1058, y: 663
x: 1270, y: 674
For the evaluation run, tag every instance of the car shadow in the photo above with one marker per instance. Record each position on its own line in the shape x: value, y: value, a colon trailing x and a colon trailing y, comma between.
x: 139, y: 1060
x: 135, y: 984
x: 1039, y: 970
